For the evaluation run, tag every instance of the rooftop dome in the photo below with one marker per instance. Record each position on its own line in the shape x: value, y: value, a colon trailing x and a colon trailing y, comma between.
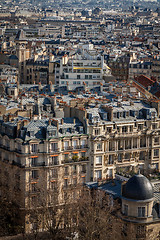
x: 138, y: 187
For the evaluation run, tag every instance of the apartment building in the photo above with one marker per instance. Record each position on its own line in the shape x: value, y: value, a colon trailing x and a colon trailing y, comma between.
x: 8, y: 74
x: 85, y: 68
x: 140, y: 68
x: 120, y: 67
x: 124, y: 135
x: 155, y: 68
x: 43, y: 163
x: 37, y: 70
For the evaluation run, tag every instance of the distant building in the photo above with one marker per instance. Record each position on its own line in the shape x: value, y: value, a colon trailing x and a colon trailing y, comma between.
x: 83, y: 69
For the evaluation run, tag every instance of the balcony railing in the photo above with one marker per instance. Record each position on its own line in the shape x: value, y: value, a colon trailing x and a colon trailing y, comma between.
x: 54, y: 163
x: 70, y: 160
x: 38, y: 164
x: 54, y: 150
x: 75, y: 147
x: 67, y: 148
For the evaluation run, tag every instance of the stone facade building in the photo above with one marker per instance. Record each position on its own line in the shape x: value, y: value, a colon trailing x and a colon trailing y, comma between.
x: 42, y: 163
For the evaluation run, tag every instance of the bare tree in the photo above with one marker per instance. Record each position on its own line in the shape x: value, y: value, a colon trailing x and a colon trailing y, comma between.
x: 95, y: 216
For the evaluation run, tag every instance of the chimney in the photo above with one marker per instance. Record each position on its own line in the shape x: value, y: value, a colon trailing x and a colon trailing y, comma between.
x: 35, y: 57
x: 19, y: 124
x: 51, y: 58
x: 25, y: 122
x: 119, y: 104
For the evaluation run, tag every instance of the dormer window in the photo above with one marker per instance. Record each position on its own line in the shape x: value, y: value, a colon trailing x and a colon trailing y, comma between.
x: 140, y: 126
x: 81, y: 129
x: 31, y: 133
x: 54, y: 133
x: 72, y: 130
x: 115, y: 115
x: 50, y: 134
x: 105, y: 116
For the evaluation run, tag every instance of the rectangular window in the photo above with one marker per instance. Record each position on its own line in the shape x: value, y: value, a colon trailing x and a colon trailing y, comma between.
x: 124, y: 129
x: 98, y: 174
x: 83, y: 169
x: 65, y: 183
x: 120, y: 156
x: 109, y: 129
x: 120, y: 145
x: 98, y: 159
x: 99, y: 146
x: 78, y: 76
x: 140, y: 126
x: 97, y: 131
x: 154, y: 126
x: 125, y: 210
x: 66, y: 144
x: 156, y: 141
x: 54, y: 147
x: 83, y: 143
x: 34, y: 148
x: 34, y: 162
x: 156, y: 152
x: 134, y: 142
x: 74, y: 168
x: 141, y: 211
x: 75, y: 144
x: 54, y: 160
x: 110, y: 161
x: 35, y: 174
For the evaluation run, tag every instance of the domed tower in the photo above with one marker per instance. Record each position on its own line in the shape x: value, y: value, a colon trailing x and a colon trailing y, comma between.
x: 137, y: 198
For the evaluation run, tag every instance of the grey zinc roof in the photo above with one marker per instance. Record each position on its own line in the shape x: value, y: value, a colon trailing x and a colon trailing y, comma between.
x: 112, y: 188
x: 37, y: 124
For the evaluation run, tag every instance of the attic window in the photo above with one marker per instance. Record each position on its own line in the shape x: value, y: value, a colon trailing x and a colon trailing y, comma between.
x: 81, y: 129
x: 54, y: 133
x: 31, y: 133
x: 105, y: 116
x: 50, y: 134
x: 72, y: 130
